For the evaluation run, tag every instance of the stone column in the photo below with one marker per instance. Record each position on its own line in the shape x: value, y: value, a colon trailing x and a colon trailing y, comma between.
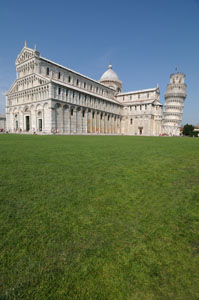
x: 94, y: 121
x: 105, y: 123
x: 66, y: 119
x: 56, y: 118
x: 108, y: 124
x: 84, y: 121
x: 118, y: 125
x: 59, y: 118
x: 79, y: 120
x: 113, y: 129
x: 34, y: 120
x: 98, y: 123
x: 21, y: 120
x: 73, y: 120
x: 112, y: 124
x: 44, y: 119
x: 101, y: 123
x: 53, y: 119
x: 89, y: 121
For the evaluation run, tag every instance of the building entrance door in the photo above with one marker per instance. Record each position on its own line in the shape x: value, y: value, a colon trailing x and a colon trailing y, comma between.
x: 27, y: 123
x: 140, y: 130
x: 40, y: 124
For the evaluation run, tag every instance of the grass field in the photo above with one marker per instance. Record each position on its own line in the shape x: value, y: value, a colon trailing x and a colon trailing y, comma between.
x: 96, y: 217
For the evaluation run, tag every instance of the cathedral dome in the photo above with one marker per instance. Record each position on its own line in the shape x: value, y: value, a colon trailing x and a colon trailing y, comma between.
x: 110, y: 79
x: 110, y: 75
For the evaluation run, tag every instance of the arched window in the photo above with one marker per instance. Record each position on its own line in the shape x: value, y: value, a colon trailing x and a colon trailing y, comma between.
x: 47, y: 71
x: 118, y: 90
x: 131, y: 121
x: 71, y: 112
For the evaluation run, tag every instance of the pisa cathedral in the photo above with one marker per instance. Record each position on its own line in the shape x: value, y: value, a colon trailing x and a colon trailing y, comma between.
x: 49, y: 98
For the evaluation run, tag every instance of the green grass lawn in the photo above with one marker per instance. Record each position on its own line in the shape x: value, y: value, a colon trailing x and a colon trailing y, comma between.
x: 96, y: 217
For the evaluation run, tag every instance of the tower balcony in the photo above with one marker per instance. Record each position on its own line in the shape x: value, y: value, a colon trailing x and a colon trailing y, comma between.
x: 173, y: 113
x: 174, y: 102
x: 175, y: 94
x: 172, y: 122
x: 180, y: 86
x: 170, y: 106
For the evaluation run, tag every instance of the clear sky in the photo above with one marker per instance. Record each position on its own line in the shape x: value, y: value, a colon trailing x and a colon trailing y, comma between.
x: 144, y: 40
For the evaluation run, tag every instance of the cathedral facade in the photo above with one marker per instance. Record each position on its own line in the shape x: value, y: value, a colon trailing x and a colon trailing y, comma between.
x: 49, y: 98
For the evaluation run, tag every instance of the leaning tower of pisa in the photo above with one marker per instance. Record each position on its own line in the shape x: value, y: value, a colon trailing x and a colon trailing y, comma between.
x: 174, y: 103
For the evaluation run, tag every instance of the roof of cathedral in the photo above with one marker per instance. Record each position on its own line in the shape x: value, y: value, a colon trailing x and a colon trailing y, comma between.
x: 77, y: 73
x: 139, y: 91
x: 110, y: 75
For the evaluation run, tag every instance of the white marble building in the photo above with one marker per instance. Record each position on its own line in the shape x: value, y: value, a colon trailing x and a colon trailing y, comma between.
x: 174, y: 103
x: 47, y: 98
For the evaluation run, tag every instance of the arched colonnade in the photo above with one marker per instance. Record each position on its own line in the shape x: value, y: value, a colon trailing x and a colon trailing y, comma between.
x: 61, y: 118
x: 70, y: 119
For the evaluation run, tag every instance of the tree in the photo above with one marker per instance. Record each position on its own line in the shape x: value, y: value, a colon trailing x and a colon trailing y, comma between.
x: 188, y: 130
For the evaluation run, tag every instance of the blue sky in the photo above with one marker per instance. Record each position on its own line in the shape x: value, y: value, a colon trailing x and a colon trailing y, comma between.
x: 144, y: 40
